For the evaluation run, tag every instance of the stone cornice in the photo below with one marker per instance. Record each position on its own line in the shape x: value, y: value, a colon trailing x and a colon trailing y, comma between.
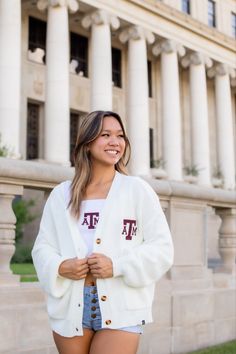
x: 188, y: 22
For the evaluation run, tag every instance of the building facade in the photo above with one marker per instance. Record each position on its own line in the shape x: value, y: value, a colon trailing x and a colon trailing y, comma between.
x: 168, y: 68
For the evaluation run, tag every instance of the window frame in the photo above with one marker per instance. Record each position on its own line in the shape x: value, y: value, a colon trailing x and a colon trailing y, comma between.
x: 187, y: 9
x: 211, y: 16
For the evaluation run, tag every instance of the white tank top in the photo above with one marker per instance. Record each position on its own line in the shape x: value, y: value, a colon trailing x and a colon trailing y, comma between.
x: 90, y: 211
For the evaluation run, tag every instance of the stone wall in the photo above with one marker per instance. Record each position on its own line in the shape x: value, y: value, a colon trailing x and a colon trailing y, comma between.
x: 194, y: 305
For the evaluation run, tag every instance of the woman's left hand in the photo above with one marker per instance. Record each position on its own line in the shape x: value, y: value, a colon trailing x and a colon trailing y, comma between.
x: 100, y: 265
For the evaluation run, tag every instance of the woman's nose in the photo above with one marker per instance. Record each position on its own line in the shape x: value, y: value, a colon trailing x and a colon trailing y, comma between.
x: 113, y: 141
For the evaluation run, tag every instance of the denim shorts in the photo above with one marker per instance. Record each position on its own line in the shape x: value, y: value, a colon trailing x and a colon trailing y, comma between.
x: 92, y: 318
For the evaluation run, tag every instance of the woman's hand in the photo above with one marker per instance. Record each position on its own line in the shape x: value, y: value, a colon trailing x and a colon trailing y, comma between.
x: 74, y: 268
x: 100, y: 265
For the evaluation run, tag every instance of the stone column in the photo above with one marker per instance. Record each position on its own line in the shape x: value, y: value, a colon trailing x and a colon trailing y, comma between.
x: 199, y: 114
x: 7, y: 233
x: 10, y: 73
x: 224, y: 118
x: 172, y: 142
x: 137, y: 105
x: 101, y: 64
x: 57, y: 112
x: 227, y: 240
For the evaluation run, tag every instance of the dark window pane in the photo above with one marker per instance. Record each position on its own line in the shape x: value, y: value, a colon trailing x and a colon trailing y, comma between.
x: 149, y: 78
x: 211, y: 14
x: 151, y: 146
x: 186, y: 6
x: 32, y: 148
x: 37, y: 34
x: 79, y: 52
x: 233, y: 19
x: 116, y: 67
x: 74, y: 123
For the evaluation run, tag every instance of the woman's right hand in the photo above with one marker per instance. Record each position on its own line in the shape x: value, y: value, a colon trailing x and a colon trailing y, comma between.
x: 74, y: 268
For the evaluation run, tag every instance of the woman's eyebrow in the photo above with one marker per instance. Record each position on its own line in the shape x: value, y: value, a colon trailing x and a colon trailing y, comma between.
x: 107, y: 130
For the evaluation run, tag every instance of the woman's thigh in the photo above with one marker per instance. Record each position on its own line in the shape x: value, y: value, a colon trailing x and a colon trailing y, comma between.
x: 74, y: 345
x: 107, y: 341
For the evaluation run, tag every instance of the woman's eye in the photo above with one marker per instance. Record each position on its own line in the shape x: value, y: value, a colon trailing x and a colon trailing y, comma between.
x: 121, y: 136
x: 105, y: 134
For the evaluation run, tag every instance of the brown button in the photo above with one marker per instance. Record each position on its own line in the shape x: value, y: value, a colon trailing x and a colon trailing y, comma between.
x: 94, y: 291
x: 93, y: 308
x: 94, y: 315
x: 98, y: 241
x: 103, y: 298
x: 94, y: 301
x: 108, y: 322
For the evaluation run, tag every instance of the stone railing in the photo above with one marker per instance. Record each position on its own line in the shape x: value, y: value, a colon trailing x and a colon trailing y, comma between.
x: 185, y: 207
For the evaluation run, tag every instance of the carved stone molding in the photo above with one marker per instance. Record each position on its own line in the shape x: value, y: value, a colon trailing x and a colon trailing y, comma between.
x: 100, y: 17
x: 196, y: 58
x: 72, y: 5
x: 221, y: 69
x: 168, y: 46
x: 136, y: 33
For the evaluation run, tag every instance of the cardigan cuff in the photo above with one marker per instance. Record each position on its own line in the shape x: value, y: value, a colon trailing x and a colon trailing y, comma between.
x: 117, y: 267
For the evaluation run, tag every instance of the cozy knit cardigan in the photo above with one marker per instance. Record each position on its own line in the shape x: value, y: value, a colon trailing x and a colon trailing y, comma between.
x: 132, y: 231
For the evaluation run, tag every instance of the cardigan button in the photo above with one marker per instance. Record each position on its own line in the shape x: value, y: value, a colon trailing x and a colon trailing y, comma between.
x: 108, y: 322
x: 104, y: 298
x: 98, y: 241
x: 77, y: 329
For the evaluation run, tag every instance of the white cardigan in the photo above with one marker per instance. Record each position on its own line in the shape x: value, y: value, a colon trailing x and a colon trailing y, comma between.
x: 132, y: 231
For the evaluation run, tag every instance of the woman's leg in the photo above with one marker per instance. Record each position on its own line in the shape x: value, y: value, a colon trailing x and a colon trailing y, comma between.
x: 74, y: 345
x: 107, y: 341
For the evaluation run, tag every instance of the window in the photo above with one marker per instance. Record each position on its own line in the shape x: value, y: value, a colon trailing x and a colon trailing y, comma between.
x: 32, y: 147
x: 74, y: 124
x: 79, y: 52
x: 151, y: 146
x: 186, y: 6
x: 116, y: 67
x: 149, y: 65
x: 233, y: 21
x: 211, y: 13
x: 37, y: 34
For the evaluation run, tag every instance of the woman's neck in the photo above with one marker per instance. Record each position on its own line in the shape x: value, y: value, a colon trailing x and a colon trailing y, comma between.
x: 102, y: 176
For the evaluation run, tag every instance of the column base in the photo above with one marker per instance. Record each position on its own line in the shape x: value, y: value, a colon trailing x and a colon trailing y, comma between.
x: 8, y: 279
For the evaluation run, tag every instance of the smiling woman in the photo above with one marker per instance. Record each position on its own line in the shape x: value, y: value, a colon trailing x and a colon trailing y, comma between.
x: 103, y: 243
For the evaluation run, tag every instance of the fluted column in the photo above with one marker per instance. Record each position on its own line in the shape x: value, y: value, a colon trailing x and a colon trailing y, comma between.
x: 57, y: 113
x: 172, y: 142
x: 224, y: 117
x: 199, y: 114
x: 101, y: 64
x: 137, y: 105
x: 10, y: 73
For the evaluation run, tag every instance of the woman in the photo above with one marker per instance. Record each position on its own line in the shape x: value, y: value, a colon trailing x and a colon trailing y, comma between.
x: 102, y: 245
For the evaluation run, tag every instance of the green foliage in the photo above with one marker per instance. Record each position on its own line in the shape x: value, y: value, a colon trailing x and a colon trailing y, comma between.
x: 23, y: 215
x: 226, y: 348
x: 22, y: 254
x: 3, y: 149
x: 192, y: 170
x: 159, y: 163
x: 26, y: 271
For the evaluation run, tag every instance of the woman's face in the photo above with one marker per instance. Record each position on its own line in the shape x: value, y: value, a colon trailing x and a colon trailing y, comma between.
x: 109, y: 146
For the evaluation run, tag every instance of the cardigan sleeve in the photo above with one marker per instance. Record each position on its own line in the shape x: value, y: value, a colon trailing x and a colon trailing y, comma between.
x: 45, y: 253
x: 149, y: 261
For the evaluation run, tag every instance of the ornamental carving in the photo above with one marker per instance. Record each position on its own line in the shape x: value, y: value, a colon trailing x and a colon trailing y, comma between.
x: 100, y: 17
x: 196, y: 58
x: 136, y: 33
x: 72, y: 5
x: 168, y: 46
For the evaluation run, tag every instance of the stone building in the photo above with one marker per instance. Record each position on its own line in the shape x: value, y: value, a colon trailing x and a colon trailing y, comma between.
x: 169, y: 69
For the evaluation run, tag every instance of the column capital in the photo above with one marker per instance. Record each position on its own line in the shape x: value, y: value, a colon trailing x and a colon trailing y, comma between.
x: 100, y: 17
x: 136, y: 33
x: 221, y: 70
x: 72, y: 5
x: 196, y: 58
x: 168, y: 46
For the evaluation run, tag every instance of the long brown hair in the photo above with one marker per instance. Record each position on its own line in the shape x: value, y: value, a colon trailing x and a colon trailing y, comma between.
x: 89, y: 130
